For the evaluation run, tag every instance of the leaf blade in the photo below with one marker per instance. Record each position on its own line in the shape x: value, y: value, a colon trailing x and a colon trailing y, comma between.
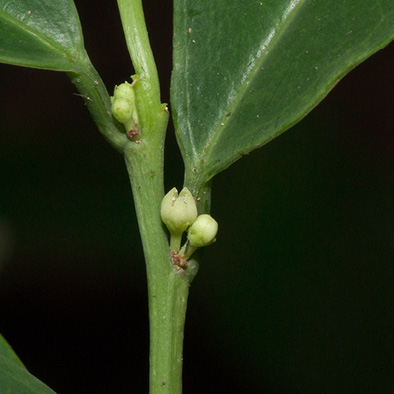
x: 41, y: 34
x: 243, y: 78
x: 7, y: 352
x: 15, y: 379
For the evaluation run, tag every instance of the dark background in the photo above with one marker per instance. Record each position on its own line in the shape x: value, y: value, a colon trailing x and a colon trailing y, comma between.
x: 294, y: 297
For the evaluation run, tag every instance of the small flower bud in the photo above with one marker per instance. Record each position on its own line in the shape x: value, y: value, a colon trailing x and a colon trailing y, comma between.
x: 123, y: 106
x: 124, y: 90
x: 122, y: 110
x: 178, y: 212
x: 203, y: 231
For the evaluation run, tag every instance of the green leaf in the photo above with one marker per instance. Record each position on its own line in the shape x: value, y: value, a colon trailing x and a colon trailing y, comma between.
x: 7, y: 352
x: 15, y: 379
x: 245, y: 71
x: 42, y: 34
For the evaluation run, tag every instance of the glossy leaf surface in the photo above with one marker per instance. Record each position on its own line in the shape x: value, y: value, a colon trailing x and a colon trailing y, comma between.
x: 41, y: 33
x: 245, y: 71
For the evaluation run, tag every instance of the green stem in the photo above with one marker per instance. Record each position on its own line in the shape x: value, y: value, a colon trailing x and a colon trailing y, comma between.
x: 95, y: 95
x: 187, y: 251
x: 148, y: 87
x: 175, y: 242
x: 202, y: 192
x: 168, y: 287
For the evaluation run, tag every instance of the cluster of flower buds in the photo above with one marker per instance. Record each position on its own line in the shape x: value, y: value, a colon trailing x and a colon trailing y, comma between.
x: 124, y: 109
x: 179, y: 213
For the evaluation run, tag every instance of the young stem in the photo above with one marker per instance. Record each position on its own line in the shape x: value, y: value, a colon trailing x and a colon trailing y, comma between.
x: 137, y: 40
x: 95, y: 95
x: 168, y: 288
x: 175, y: 242
x: 168, y: 285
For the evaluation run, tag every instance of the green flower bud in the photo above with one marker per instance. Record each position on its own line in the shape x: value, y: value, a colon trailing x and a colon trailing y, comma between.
x: 178, y: 212
x: 124, y: 90
x: 203, y: 231
x: 124, y: 107
x: 122, y: 110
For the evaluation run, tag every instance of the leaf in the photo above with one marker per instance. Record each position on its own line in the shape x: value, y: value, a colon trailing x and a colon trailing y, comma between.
x: 15, y: 379
x: 42, y: 34
x: 245, y: 71
x: 7, y: 352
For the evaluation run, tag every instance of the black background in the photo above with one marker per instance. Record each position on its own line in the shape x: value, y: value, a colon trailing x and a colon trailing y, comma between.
x: 294, y: 297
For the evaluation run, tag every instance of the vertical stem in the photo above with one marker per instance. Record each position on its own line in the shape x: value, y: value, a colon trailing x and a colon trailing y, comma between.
x: 201, y: 190
x: 148, y: 87
x: 175, y: 242
x: 168, y: 288
x: 137, y: 40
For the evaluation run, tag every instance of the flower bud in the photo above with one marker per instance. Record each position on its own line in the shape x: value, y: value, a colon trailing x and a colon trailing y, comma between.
x: 123, y: 106
x: 124, y: 90
x: 178, y: 212
x: 203, y: 231
x: 122, y: 110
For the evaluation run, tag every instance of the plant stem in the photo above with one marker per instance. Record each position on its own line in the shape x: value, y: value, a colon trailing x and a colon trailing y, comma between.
x: 168, y: 285
x: 168, y: 288
x: 137, y: 40
x: 95, y: 95
x: 175, y: 242
x: 202, y: 192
